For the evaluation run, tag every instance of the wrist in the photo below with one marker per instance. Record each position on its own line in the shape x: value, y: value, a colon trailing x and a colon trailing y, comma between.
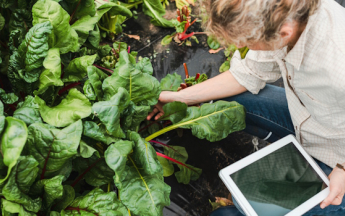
x: 341, y: 167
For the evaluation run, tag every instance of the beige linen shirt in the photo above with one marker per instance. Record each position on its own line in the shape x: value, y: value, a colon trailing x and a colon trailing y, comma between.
x: 314, y: 79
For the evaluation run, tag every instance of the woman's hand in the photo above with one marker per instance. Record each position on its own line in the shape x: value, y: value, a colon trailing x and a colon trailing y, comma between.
x: 164, y: 97
x: 337, y: 188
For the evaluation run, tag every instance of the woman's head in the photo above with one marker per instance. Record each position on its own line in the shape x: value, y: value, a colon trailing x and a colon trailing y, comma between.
x: 260, y: 24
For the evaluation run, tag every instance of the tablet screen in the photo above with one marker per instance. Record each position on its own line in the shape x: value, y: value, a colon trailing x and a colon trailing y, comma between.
x: 279, y: 182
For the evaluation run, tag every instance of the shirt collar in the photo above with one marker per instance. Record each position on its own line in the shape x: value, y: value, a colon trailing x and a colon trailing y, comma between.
x: 295, y: 56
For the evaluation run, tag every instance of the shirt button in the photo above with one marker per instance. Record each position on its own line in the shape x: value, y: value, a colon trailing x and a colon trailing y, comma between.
x: 296, y: 128
x: 289, y: 77
x: 283, y: 60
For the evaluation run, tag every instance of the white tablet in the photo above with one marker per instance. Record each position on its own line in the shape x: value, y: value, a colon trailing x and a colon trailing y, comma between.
x: 280, y: 179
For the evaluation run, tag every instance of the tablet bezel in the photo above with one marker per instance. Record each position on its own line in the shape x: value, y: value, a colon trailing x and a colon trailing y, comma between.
x: 243, y: 202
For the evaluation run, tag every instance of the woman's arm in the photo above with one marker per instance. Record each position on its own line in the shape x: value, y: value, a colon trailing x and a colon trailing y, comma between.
x: 221, y: 86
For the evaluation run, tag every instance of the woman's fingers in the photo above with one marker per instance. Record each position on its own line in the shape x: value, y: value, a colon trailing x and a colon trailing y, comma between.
x: 159, y: 115
x: 151, y: 114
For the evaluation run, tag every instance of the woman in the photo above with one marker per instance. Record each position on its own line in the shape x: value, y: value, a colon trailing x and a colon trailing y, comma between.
x: 302, y: 41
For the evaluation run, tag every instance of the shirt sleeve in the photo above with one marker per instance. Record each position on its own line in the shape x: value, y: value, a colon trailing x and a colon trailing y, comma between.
x: 257, y: 69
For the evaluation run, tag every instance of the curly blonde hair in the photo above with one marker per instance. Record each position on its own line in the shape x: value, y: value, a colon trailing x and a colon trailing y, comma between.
x: 249, y: 21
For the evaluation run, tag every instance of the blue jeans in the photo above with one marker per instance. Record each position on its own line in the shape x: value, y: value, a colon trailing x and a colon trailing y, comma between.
x: 268, y: 117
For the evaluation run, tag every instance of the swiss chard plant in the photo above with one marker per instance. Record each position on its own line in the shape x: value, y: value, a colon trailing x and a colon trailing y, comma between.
x: 182, y: 23
x: 71, y: 122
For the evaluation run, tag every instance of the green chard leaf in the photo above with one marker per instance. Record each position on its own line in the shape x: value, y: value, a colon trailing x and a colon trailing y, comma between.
x: 134, y: 115
x: 186, y: 174
x: 143, y: 89
x: 21, y: 20
x: 51, y: 76
x: 27, y: 111
x: 74, y: 107
x: 96, y: 202
x: 52, y: 147
x: 34, y: 49
x: 92, y: 130
x: 12, y: 143
x: 88, y: 90
x: 94, y: 37
x: 51, y: 189
x: 144, y: 155
x: 97, y: 172
x: 167, y: 39
x: 11, y: 208
x: 26, y: 62
x: 155, y: 10
x: 83, y: 27
x: 171, y: 82
x: 21, y: 178
x: 179, y: 26
x: 66, y: 199
x: 77, y: 68
x: 86, y: 151
x: 145, y: 66
x: 225, y: 66
x: 133, y: 181
x: 213, y: 43
x: 8, y: 98
x: 211, y: 121
x: 79, y: 8
x: 95, y: 81
x: 174, y: 111
x: 63, y: 35
x: 109, y: 111
x: 168, y: 168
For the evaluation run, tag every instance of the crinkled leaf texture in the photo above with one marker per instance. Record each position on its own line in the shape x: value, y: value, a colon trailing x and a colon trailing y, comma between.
x: 109, y: 112
x: 33, y: 50
x: 96, y: 202
x: 77, y: 68
x: 144, y: 154
x: 66, y: 199
x: 96, y: 81
x: 21, y: 20
x: 97, y: 172
x: 171, y: 82
x: 52, y: 147
x: 74, y: 107
x: 63, y: 35
x: 51, y: 76
x: 8, y: 98
x: 141, y: 193
x: 88, y: 91
x: 51, y: 189
x: 27, y: 111
x: 133, y: 116
x: 22, y: 177
x: 12, y: 143
x: 213, y: 122
x: 143, y: 88
x: 10, y: 208
x: 174, y: 111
